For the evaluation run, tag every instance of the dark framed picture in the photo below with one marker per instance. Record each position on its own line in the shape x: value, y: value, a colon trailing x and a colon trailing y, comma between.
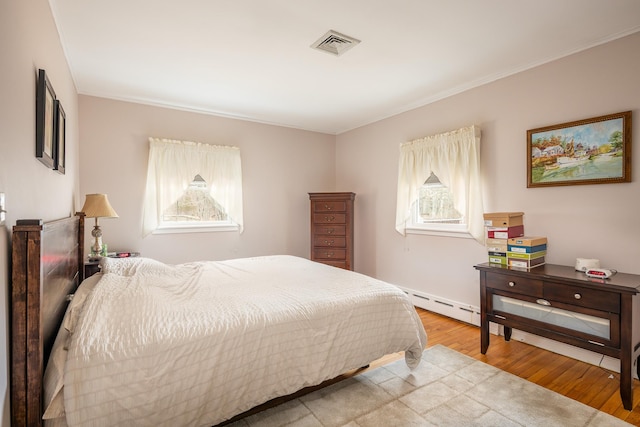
x: 60, y: 141
x: 45, y: 120
x: 589, y: 151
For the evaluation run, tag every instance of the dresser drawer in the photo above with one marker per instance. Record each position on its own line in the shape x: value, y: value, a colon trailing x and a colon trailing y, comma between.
x: 334, y: 263
x: 330, y: 241
x: 329, y: 230
x: 581, y: 297
x: 329, y: 253
x: 330, y: 206
x: 516, y: 284
x: 330, y: 218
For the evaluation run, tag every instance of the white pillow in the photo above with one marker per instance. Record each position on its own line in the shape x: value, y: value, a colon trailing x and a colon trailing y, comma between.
x: 134, y: 265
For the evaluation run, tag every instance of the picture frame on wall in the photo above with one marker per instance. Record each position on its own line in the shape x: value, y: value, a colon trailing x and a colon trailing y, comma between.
x: 60, y: 139
x: 589, y: 151
x: 45, y: 120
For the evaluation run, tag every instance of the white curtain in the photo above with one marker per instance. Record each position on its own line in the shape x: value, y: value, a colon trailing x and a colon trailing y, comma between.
x: 454, y: 157
x: 174, y: 164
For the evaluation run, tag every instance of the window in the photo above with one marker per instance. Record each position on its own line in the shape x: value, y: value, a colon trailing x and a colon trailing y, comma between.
x: 195, y: 209
x: 192, y: 187
x: 439, y: 186
x: 435, y: 204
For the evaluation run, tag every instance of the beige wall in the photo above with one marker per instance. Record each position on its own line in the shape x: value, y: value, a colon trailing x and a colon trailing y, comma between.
x: 593, y: 221
x: 28, y: 41
x: 279, y: 167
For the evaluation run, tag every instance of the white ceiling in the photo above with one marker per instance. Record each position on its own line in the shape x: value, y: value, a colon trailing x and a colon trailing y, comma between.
x: 252, y: 59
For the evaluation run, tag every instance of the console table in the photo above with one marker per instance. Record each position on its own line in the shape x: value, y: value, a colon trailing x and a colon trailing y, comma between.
x: 565, y: 305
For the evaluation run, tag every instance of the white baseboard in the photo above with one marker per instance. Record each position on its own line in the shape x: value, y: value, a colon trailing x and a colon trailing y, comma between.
x: 471, y: 314
x: 459, y: 311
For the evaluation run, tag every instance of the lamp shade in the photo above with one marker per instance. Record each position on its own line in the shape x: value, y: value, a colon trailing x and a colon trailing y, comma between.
x: 97, y: 206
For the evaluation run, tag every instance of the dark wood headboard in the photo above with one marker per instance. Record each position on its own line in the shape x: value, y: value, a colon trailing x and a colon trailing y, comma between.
x: 47, y: 266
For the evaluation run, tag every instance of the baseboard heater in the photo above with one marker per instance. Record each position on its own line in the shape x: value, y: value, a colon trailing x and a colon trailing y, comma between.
x: 456, y: 310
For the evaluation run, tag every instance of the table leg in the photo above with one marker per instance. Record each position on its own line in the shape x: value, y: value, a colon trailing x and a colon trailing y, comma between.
x: 484, y: 337
x: 507, y: 333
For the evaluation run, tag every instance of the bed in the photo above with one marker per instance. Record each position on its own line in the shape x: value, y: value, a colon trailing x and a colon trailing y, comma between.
x: 147, y: 343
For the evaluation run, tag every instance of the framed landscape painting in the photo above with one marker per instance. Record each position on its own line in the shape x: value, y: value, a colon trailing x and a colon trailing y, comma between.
x: 590, y: 151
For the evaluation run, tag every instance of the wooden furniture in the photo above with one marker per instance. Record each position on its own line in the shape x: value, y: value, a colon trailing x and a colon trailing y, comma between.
x: 47, y: 266
x: 46, y: 260
x: 91, y: 268
x: 332, y: 229
x: 565, y: 305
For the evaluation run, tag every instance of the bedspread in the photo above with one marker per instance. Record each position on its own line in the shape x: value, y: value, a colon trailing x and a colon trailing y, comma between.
x: 197, y: 343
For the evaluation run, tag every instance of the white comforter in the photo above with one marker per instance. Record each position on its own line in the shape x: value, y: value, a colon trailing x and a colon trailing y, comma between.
x: 197, y: 343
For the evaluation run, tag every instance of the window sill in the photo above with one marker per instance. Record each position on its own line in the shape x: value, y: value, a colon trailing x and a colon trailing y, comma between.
x: 442, y: 232
x: 209, y: 228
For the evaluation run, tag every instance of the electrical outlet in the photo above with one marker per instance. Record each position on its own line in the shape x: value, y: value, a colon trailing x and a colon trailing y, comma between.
x: 2, y: 209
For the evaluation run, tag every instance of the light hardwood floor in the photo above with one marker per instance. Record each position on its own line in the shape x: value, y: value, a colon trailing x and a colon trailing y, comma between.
x: 586, y: 383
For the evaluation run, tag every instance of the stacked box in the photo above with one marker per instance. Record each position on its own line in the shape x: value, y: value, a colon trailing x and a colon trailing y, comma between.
x: 500, y: 226
x: 526, y: 252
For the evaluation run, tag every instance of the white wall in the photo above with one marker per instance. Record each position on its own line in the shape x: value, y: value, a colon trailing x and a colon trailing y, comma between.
x: 279, y: 167
x: 592, y: 221
x: 28, y: 41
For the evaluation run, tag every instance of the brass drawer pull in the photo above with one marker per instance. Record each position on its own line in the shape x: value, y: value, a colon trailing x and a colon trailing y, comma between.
x: 329, y: 254
x: 327, y: 207
x: 543, y: 302
x: 577, y: 296
x: 329, y: 218
x: 328, y: 242
x: 512, y: 284
x: 330, y: 231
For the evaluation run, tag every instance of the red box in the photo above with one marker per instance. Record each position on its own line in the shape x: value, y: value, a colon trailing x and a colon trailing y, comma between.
x: 505, y: 232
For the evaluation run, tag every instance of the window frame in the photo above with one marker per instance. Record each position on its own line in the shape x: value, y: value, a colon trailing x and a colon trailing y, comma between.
x: 198, y: 227
x: 168, y: 179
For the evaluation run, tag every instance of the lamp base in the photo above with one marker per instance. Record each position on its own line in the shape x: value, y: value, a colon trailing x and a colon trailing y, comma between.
x: 98, y: 249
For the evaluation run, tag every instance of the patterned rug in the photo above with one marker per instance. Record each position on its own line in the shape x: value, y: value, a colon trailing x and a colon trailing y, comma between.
x: 447, y: 389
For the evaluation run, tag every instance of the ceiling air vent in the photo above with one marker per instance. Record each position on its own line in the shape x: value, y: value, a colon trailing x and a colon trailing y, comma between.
x: 335, y: 43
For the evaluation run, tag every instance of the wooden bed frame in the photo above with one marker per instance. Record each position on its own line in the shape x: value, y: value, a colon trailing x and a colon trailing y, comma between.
x: 47, y: 266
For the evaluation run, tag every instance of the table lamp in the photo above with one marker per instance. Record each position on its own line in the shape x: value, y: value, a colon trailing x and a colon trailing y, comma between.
x: 97, y: 206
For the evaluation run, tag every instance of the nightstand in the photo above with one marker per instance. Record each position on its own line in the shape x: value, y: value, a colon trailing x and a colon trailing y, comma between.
x: 91, y: 268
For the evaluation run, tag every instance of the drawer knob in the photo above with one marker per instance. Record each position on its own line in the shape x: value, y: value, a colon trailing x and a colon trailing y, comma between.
x: 327, y: 207
x: 328, y: 242
x: 512, y: 284
x: 330, y: 231
x: 577, y: 296
x: 329, y: 218
x: 543, y: 302
x: 329, y: 254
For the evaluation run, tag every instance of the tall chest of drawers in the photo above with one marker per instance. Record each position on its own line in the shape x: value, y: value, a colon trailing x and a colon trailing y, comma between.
x: 332, y: 229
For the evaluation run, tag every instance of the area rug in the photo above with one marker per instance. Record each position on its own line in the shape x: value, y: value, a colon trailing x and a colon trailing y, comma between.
x: 447, y: 389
